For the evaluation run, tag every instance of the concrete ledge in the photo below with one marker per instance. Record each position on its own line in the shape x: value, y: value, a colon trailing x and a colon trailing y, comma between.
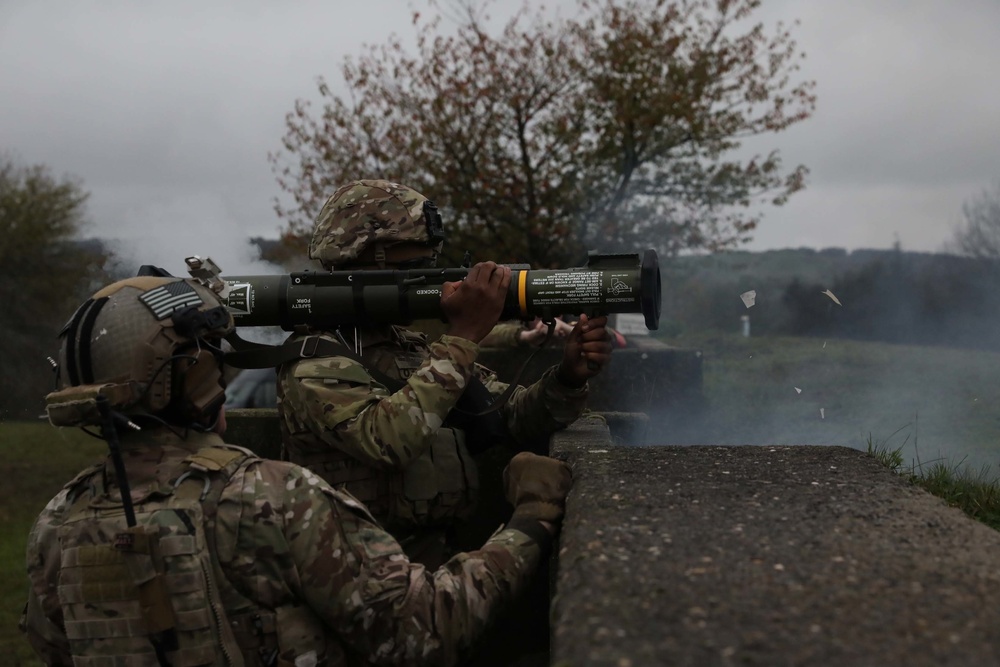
x: 764, y: 556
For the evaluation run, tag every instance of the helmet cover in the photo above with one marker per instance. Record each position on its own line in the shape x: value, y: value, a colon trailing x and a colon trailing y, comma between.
x: 373, y: 214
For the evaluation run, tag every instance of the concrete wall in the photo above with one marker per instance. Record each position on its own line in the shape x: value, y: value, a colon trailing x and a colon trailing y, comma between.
x: 757, y: 555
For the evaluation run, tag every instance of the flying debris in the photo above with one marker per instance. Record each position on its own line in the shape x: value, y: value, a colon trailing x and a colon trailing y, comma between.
x: 822, y: 413
x: 832, y: 297
x: 797, y: 390
x: 749, y: 298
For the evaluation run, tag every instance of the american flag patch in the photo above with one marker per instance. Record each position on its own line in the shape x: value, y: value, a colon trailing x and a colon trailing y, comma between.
x: 164, y: 300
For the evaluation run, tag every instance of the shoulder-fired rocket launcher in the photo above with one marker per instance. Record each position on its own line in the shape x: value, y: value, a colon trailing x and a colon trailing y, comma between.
x: 612, y: 283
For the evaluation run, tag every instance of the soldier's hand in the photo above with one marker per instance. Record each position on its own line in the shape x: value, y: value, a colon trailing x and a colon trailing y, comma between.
x: 537, y: 486
x: 534, y: 334
x: 538, y: 331
x: 562, y: 328
x: 588, y: 350
x: 473, y: 306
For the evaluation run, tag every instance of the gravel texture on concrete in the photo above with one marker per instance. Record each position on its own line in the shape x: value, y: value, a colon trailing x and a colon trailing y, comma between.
x: 771, y: 556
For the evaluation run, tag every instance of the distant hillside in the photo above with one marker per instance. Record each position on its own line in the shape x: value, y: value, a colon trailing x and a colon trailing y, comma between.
x: 805, y: 264
x: 887, y: 295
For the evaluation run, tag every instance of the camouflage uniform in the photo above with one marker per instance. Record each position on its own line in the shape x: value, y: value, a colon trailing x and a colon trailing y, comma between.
x: 302, y: 573
x: 400, y: 452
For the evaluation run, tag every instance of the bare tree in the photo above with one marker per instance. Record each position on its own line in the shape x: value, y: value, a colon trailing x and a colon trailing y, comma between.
x: 979, y: 234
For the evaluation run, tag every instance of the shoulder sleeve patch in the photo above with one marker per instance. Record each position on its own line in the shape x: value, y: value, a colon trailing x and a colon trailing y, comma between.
x: 213, y: 458
x: 332, y: 368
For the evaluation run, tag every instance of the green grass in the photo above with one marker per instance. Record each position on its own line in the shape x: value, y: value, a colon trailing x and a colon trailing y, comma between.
x: 37, y: 460
x: 975, y: 492
x: 861, y: 388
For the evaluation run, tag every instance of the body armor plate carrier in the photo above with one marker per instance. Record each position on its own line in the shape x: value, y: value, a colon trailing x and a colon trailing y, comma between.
x: 438, y: 487
x: 155, y: 593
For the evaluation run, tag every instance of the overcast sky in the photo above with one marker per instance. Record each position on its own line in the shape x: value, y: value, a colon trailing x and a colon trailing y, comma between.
x: 166, y: 112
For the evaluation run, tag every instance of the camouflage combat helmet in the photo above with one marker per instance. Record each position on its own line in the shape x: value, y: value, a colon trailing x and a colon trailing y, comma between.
x: 364, y: 219
x: 150, y: 345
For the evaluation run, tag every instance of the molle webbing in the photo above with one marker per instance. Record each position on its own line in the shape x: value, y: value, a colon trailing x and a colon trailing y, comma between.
x: 152, y: 594
x: 437, y: 487
x: 272, y: 356
x: 475, y: 403
x: 134, y: 598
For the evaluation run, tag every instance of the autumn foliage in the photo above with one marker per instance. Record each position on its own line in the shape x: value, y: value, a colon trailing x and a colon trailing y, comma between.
x: 612, y: 130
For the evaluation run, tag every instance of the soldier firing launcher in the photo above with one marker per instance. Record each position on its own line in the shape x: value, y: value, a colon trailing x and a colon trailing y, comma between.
x: 617, y: 283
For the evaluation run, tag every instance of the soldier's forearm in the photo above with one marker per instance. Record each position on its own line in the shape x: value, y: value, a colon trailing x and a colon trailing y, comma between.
x: 543, y: 408
x: 398, y: 428
x: 392, y: 611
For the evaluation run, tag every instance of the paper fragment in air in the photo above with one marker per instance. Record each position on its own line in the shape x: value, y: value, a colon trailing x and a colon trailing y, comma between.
x: 797, y: 390
x: 822, y: 413
x: 749, y: 298
x: 834, y: 298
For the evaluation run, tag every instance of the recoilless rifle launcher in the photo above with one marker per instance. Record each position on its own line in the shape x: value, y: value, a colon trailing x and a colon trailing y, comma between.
x: 613, y: 283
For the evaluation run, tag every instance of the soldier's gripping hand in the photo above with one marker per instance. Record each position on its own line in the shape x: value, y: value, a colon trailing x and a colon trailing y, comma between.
x: 588, y: 350
x: 473, y: 306
x: 536, y: 332
x: 537, y: 486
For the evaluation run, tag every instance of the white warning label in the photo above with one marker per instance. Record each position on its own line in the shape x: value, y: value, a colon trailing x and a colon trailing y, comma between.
x: 576, y: 287
x: 240, y: 299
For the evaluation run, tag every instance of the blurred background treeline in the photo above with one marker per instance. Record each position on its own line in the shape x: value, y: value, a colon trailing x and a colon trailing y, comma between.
x: 47, y: 268
x: 889, y: 296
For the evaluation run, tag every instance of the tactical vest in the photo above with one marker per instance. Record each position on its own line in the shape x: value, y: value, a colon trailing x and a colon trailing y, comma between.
x: 437, y: 487
x: 155, y: 594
